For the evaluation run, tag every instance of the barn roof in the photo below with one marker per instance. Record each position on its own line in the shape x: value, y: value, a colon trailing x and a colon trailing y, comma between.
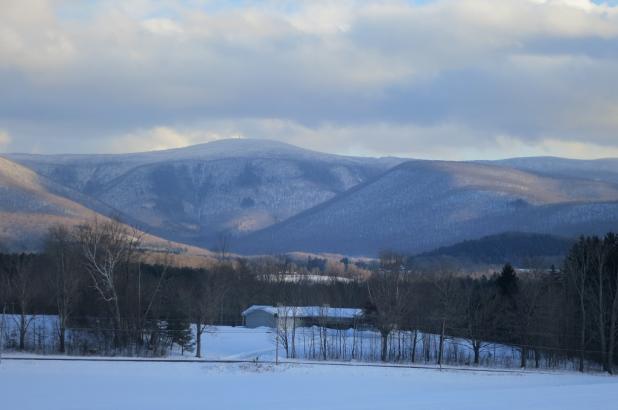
x: 307, y: 311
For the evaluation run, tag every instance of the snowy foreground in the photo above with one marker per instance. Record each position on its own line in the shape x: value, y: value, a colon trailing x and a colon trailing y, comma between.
x: 121, y: 385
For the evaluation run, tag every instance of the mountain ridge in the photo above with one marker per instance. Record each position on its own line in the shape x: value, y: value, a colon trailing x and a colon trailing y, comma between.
x: 255, y: 191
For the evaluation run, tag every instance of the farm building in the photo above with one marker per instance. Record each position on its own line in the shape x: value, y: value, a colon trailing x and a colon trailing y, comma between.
x: 301, y: 316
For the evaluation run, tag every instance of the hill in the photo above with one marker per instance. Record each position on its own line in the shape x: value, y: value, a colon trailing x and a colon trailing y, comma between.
x: 421, y: 205
x: 199, y: 193
x: 520, y: 249
x: 30, y: 204
x: 261, y: 196
x: 596, y: 170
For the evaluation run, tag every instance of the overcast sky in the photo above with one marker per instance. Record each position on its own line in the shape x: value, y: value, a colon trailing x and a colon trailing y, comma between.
x: 444, y: 79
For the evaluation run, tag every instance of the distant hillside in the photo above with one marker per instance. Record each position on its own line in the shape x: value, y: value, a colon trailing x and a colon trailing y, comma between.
x: 195, y: 194
x: 519, y: 249
x: 31, y: 204
x: 267, y: 197
x: 421, y: 205
x: 597, y: 170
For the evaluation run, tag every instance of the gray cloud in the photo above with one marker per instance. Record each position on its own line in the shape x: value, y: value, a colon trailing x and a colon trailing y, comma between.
x: 449, y: 79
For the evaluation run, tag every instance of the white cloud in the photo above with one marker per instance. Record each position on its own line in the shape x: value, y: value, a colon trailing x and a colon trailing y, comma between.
x: 161, y: 138
x: 444, y: 78
x: 5, y: 139
x: 31, y: 38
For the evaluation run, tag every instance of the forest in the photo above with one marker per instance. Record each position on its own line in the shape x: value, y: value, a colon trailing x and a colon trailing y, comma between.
x: 97, y: 281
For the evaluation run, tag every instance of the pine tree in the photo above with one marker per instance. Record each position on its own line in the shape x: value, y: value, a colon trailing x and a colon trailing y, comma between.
x: 179, y: 331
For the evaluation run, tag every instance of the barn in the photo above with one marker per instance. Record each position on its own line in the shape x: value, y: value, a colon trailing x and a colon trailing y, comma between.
x: 301, y: 316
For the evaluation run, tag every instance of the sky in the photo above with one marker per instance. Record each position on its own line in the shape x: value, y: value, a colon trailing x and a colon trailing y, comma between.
x: 441, y: 79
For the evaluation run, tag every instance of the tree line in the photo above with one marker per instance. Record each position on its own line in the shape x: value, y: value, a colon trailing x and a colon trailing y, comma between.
x: 96, y: 277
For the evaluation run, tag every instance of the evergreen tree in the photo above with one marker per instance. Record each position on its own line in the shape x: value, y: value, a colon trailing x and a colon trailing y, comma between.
x: 179, y: 331
x: 507, y: 281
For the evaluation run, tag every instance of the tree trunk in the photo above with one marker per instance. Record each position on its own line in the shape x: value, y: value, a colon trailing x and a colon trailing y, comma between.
x: 612, y: 332
x: 524, y: 357
x: 601, y: 323
x: 198, y: 341
x: 582, y: 335
x: 117, y: 324
x: 477, y: 352
x: 384, y: 351
x: 62, y: 337
x: 441, y: 351
x: 414, y: 346
x: 22, y: 332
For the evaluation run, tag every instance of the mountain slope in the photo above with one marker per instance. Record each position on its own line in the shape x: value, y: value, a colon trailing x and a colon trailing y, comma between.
x: 28, y: 207
x: 195, y: 194
x: 31, y: 204
x: 598, y: 170
x: 421, y: 205
x: 519, y: 249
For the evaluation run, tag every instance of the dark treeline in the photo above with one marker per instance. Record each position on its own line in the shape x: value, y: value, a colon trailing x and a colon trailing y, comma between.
x: 96, y: 278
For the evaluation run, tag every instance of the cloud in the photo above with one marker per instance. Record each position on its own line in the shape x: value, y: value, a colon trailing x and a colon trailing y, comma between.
x: 446, y: 78
x: 30, y: 37
x: 5, y: 139
x: 155, y: 139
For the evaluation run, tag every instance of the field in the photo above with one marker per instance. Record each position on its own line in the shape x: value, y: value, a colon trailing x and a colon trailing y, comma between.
x: 74, y: 384
x: 121, y: 385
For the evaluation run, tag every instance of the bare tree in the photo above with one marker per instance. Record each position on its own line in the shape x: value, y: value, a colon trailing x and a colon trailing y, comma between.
x: 208, y: 291
x: 65, y: 280
x: 148, y: 296
x: 445, y: 284
x: 22, y: 287
x: 577, y: 266
x: 105, y: 247
x: 475, y: 304
x: 286, y: 316
x: 388, y: 294
x: 529, y: 300
x: 222, y: 246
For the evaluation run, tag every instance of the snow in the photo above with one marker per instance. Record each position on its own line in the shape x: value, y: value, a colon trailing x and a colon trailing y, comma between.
x: 120, y: 385
x: 307, y: 311
x: 234, y: 343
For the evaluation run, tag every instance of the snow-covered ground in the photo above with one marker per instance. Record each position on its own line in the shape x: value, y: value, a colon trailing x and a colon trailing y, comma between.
x: 123, y: 385
x: 230, y: 343
x: 119, y: 385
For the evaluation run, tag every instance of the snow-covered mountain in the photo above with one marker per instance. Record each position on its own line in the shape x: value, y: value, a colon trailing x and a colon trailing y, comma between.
x: 599, y: 169
x: 30, y: 204
x: 421, y: 205
x: 274, y: 197
x: 198, y: 193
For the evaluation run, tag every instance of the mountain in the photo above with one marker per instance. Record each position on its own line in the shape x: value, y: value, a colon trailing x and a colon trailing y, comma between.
x: 196, y: 194
x: 520, y: 249
x: 421, y: 205
x: 30, y: 204
x: 263, y: 196
x: 597, y: 170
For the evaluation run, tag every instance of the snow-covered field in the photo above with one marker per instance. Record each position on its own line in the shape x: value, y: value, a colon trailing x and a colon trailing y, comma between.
x: 169, y: 385
x: 119, y: 385
x: 229, y: 343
